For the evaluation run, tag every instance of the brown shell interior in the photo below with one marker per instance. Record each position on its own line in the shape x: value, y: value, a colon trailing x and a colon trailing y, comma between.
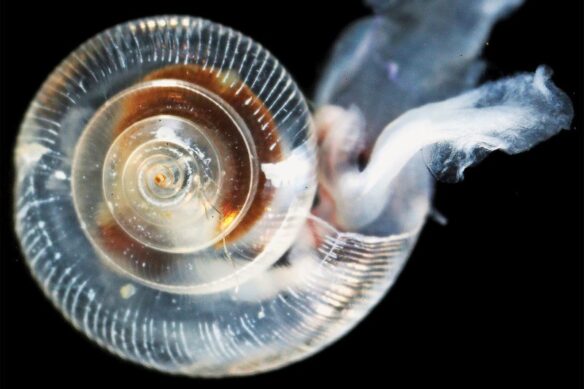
x: 250, y: 109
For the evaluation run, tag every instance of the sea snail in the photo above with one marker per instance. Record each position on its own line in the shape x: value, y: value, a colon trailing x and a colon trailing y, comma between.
x: 178, y: 202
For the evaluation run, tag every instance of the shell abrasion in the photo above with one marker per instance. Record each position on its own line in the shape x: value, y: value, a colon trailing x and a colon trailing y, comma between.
x: 166, y: 172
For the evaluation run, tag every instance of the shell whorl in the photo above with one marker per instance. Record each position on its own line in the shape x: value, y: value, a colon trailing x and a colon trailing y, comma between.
x: 168, y: 148
x: 200, y: 134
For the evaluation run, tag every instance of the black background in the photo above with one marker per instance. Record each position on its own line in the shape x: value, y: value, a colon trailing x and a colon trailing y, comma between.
x: 494, y: 297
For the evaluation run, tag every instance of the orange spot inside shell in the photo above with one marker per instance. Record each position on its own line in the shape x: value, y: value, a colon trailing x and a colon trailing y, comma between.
x: 227, y: 220
x: 159, y: 179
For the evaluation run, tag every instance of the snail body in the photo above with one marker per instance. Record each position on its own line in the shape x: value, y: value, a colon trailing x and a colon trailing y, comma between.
x: 166, y: 172
x: 180, y: 205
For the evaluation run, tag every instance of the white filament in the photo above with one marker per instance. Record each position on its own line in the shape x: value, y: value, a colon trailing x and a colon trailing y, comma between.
x: 511, y: 115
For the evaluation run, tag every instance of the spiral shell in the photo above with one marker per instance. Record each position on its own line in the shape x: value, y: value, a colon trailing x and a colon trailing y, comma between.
x: 165, y: 175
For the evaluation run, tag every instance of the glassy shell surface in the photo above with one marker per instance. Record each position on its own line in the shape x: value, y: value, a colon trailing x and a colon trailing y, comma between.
x: 165, y: 175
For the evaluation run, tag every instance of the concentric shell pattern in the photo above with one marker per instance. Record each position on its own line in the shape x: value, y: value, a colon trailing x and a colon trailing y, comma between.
x: 165, y: 176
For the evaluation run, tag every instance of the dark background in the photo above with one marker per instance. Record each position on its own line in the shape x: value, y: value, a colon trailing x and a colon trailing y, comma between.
x: 494, y: 297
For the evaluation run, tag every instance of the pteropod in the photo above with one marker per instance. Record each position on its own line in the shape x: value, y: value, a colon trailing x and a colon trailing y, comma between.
x: 182, y: 206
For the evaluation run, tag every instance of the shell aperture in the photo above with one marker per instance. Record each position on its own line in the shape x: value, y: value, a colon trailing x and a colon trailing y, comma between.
x: 166, y: 180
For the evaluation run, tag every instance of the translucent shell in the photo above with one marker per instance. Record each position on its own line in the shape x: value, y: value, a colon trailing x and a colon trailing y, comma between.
x: 184, y: 177
x: 174, y: 151
x: 166, y: 172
